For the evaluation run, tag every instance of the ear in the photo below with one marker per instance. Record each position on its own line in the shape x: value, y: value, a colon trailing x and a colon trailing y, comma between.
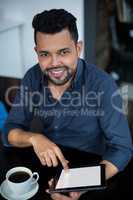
x: 79, y: 47
x: 35, y: 48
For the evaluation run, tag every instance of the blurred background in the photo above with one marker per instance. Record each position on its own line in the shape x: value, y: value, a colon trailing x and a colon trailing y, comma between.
x: 105, y: 26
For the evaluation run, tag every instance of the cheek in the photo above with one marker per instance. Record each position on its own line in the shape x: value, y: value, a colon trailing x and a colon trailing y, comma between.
x: 43, y: 63
x: 70, y: 60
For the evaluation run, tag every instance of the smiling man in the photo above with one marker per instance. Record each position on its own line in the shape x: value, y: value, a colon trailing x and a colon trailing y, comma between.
x: 93, y: 125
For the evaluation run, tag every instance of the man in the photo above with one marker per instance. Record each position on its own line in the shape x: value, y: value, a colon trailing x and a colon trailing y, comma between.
x: 77, y: 102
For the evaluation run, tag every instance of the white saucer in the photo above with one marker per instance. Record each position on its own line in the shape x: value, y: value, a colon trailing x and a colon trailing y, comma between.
x: 7, y: 194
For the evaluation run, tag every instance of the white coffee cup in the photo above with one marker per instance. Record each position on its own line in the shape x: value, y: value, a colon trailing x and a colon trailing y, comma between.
x: 25, y: 186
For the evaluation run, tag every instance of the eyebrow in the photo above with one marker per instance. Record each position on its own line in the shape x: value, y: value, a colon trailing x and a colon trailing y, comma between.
x: 58, y: 51
x: 43, y: 51
x: 64, y: 49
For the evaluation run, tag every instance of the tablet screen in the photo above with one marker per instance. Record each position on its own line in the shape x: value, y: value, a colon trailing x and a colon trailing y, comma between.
x: 79, y: 177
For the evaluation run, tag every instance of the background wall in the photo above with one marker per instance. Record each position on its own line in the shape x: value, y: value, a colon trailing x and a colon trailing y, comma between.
x: 16, y: 33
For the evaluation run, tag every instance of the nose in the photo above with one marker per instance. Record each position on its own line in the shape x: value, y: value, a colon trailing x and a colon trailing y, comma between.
x: 55, y: 61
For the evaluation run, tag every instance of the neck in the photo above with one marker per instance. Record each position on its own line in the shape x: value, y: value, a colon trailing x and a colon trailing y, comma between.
x: 58, y: 90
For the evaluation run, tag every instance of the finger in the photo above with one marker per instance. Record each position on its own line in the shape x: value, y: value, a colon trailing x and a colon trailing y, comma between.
x: 47, y: 191
x: 43, y: 161
x: 75, y: 195
x: 57, y: 196
x: 48, y: 160
x: 53, y: 158
x: 50, y: 182
x: 62, y: 159
x: 41, y: 157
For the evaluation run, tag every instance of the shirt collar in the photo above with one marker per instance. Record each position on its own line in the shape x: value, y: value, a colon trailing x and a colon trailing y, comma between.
x: 76, y: 83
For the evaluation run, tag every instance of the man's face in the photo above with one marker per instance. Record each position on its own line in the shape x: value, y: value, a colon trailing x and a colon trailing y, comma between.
x: 57, y: 56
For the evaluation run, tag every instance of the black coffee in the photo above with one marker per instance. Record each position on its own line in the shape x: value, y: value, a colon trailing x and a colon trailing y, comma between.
x: 18, y: 177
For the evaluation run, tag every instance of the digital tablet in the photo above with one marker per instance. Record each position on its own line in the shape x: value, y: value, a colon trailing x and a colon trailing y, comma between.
x: 79, y: 179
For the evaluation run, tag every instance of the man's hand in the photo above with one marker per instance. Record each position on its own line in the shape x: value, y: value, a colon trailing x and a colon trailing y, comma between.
x: 48, y: 153
x: 72, y: 196
x: 110, y: 168
x: 58, y: 196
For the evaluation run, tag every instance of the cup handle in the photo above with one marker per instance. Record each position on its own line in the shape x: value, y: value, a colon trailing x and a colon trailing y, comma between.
x: 35, y: 177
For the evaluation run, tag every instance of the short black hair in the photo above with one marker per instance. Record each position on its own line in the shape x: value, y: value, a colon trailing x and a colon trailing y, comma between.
x: 53, y: 21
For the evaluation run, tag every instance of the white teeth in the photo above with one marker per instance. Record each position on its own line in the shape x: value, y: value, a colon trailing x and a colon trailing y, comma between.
x: 57, y: 72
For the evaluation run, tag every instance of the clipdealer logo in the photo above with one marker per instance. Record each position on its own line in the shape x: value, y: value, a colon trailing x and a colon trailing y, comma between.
x: 123, y: 92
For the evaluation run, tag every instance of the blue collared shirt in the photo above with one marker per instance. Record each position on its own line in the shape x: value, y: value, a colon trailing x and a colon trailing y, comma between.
x: 89, y: 116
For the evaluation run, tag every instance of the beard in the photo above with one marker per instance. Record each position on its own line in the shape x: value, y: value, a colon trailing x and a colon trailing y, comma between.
x: 58, y: 75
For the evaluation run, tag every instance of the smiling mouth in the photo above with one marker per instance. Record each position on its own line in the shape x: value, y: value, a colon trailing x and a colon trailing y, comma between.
x: 56, y: 73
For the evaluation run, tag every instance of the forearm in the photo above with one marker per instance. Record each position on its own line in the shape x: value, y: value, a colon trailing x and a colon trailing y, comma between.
x: 110, y: 169
x: 20, y: 138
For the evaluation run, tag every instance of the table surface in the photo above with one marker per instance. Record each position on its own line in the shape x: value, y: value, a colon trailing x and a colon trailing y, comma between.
x: 122, y: 183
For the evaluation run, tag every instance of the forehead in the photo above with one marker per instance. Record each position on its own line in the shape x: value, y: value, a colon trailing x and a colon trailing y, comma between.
x: 54, y: 41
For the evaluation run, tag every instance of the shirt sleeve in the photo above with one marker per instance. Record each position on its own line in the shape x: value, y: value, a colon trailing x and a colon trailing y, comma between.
x: 115, y: 126
x: 21, y: 112
x: 3, y: 115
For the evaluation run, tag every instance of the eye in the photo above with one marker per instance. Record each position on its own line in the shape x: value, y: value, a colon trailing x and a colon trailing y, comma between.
x: 64, y: 52
x: 44, y: 54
